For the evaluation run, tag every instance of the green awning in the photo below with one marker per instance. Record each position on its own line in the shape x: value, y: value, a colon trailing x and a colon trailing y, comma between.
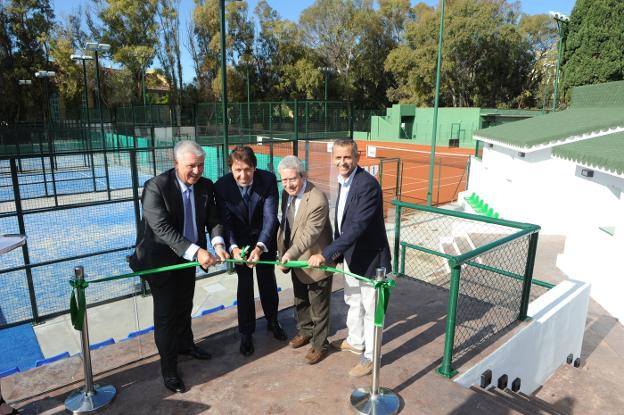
x: 606, y: 152
x: 554, y: 127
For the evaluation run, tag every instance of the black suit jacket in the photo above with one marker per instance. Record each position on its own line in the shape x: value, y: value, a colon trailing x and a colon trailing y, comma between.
x: 363, y: 241
x: 160, y: 239
x: 248, y: 226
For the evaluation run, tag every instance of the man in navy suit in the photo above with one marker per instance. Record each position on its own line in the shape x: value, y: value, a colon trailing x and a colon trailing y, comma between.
x: 247, y: 199
x: 361, y: 243
x: 178, y: 208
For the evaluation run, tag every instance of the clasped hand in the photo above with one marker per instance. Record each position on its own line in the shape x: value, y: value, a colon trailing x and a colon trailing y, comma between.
x: 206, y: 259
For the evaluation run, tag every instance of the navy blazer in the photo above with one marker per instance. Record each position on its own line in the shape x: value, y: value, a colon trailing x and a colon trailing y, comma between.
x: 258, y: 223
x: 363, y: 241
x: 160, y: 239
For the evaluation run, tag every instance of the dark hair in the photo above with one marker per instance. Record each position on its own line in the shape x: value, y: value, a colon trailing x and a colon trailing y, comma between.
x: 244, y: 154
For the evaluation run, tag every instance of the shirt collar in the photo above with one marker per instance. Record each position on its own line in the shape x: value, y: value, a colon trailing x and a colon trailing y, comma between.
x: 349, y: 179
x: 299, y: 194
x: 183, y: 185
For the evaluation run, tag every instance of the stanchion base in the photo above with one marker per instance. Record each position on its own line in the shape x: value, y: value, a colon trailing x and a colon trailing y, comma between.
x: 386, y: 402
x: 80, y: 402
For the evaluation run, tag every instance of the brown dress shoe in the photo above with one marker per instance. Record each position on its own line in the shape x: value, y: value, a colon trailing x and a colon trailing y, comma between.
x: 314, y: 356
x: 298, y: 341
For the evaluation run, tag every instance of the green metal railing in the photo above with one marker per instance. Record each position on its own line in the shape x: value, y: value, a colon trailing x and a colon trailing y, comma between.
x: 485, y: 264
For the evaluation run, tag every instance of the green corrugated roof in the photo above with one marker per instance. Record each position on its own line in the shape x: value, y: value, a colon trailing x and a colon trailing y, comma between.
x: 606, y: 152
x: 509, y: 113
x: 550, y: 128
x: 593, y: 108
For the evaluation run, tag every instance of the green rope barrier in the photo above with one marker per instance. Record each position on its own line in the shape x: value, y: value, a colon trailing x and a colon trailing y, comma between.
x: 77, y: 307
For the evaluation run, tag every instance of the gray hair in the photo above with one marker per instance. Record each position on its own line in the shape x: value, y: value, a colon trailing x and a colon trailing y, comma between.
x: 342, y: 142
x: 293, y: 163
x: 188, y: 146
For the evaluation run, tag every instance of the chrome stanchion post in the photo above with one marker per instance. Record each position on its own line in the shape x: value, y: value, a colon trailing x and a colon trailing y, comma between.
x: 92, y: 397
x: 377, y: 400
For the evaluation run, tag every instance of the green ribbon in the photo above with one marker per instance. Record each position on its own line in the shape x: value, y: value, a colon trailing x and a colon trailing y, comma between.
x: 77, y: 303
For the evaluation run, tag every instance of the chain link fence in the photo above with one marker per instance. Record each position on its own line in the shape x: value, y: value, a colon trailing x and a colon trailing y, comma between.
x: 485, y: 265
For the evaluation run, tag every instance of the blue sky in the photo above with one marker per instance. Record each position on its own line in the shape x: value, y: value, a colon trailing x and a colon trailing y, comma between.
x: 291, y: 9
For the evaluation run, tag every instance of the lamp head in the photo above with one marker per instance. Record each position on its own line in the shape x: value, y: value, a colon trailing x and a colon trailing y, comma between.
x: 559, y: 17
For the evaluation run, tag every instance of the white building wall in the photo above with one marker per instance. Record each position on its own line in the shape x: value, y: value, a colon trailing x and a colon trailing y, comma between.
x: 551, y: 193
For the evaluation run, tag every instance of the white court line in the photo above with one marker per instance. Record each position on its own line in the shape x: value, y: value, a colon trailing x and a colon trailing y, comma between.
x: 404, y: 150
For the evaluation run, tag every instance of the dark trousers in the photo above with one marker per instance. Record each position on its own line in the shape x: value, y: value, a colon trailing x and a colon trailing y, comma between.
x: 312, y: 309
x: 173, y: 303
x: 245, y: 296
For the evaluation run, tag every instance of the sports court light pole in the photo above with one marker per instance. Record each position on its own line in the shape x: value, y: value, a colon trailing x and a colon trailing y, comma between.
x: 84, y: 59
x: 434, y: 130
x: 47, y: 114
x: 224, y: 88
x: 326, y: 70
x: 562, y: 24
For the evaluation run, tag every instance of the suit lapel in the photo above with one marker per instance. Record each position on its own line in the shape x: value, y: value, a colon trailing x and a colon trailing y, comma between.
x: 351, y: 193
x: 177, y: 206
x: 241, y: 209
x: 302, y: 210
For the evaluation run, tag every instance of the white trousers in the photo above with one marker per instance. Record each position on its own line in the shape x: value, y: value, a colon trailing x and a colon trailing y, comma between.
x: 360, y: 297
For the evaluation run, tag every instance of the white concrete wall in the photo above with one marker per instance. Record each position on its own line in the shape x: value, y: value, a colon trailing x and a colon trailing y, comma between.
x: 544, y: 190
x: 551, y: 193
x: 538, y: 349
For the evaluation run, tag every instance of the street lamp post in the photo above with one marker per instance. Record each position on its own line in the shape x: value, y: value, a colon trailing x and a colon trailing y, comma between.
x: 248, y: 100
x: 546, y: 82
x: 224, y: 88
x: 84, y: 59
x: 96, y: 48
x: 434, y: 130
x: 562, y: 23
x: 326, y: 70
x: 46, y: 75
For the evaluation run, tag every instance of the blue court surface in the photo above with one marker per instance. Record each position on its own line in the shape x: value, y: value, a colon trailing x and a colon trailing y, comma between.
x: 19, y: 348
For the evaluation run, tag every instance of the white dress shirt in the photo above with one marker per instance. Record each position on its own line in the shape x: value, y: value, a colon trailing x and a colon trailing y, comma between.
x: 345, y: 185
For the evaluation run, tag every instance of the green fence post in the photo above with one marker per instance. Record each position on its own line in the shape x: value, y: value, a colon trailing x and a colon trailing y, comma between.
x: 397, y: 234
x: 403, y: 250
x: 350, y: 120
x: 296, y: 143
x: 446, y: 369
x: 270, y: 120
x: 528, y: 277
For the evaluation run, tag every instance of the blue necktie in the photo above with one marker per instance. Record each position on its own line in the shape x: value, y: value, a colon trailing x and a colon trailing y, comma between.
x: 189, y: 231
x: 246, y: 195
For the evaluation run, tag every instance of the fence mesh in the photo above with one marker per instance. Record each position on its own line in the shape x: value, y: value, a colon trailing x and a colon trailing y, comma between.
x: 490, y: 284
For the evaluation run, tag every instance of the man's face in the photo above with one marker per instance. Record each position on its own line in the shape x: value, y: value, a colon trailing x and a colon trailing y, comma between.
x: 189, y: 168
x: 292, y: 181
x: 344, y: 160
x: 243, y: 173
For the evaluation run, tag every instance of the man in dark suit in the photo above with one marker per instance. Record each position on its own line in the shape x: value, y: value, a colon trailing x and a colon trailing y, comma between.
x: 247, y: 200
x: 361, y: 243
x: 178, y: 208
x: 306, y: 230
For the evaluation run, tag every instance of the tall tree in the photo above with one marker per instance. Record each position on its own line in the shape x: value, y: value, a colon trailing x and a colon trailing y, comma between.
x: 168, y: 52
x: 131, y: 28
x: 594, y: 51
x: 25, y: 27
x: 486, y: 61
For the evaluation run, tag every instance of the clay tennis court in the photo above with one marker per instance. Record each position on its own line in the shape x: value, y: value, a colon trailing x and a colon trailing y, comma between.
x: 402, y: 169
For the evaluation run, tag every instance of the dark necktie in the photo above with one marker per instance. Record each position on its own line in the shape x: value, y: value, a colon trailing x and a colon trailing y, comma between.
x: 246, y: 195
x: 189, y: 231
x: 290, y: 219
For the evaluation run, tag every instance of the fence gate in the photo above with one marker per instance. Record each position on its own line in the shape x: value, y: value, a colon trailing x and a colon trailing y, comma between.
x: 390, y: 181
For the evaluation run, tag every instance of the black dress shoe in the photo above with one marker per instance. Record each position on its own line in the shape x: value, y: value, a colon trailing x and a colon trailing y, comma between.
x: 246, y: 345
x: 276, y: 328
x: 174, y: 384
x: 197, y: 353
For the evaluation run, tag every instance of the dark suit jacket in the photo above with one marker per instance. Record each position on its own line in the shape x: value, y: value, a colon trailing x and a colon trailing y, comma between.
x: 363, y: 242
x: 310, y: 232
x: 159, y: 239
x: 245, y: 226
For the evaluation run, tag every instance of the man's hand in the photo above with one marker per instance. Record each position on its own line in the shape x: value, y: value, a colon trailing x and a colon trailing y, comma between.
x: 316, y: 260
x: 206, y: 259
x: 221, y: 252
x: 284, y: 260
x: 236, y: 254
x: 254, y: 256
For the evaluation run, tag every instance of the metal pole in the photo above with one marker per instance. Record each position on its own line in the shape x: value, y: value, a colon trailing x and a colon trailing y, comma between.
x: 143, y: 84
x: 296, y: 143
x: 434, y: 131
x: 325, y: 101
x: 377, y: 400
x: 446, y: 369
x: 224, y: 89
x: 248, y: 102
x: 99, y: 94
x: 89, y: 143
x: 92, y: 397
x: 528, y: 277
x: 559, y: 52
